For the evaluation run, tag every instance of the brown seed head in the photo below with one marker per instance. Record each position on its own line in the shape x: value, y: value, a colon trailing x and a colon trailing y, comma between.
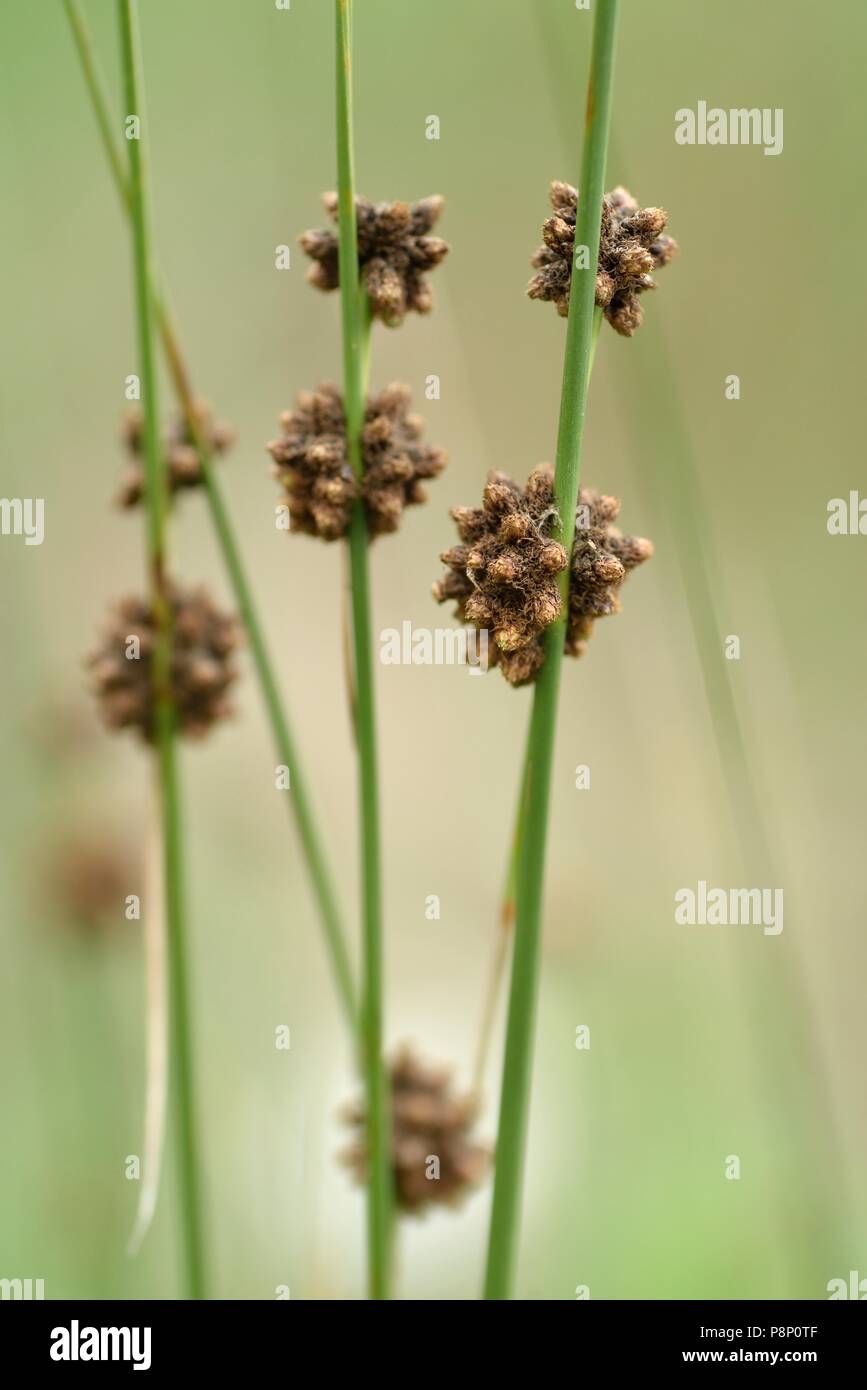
x: 504, y: 577
x: 633, y: 244
x: 181, y: 458
x: 312, y: 463
x: 394, y: 252
x: 204, y: 642
x: 428, y: 1122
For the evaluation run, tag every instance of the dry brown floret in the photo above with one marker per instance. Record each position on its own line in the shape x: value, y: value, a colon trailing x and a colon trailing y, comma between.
x: 504, y: 574
x: 394, y: 252
x: 312, y: 462
x: 632, y: 244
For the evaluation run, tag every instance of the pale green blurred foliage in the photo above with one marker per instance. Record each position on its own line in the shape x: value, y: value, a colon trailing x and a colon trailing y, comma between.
x: 625, y: 1182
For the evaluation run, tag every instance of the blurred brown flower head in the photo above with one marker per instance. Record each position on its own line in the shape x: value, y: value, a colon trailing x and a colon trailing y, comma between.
x: 504, y: 574
x: 181, y: 459
x: 312, y: 463
x: 633, y: 243
x: 87, y: 877
x: 429, y: 1122
x: 394, y: 252
x: 204, y: 642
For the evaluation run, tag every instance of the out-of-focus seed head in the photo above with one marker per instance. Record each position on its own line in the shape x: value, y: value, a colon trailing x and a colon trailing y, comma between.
x: 181, y: 459
x: 204, y: 643
x: 429, y: 1122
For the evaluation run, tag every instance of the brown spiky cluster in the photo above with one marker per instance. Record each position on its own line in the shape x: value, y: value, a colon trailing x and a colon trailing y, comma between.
x: 504, y: 574
x: 311, y: 461
x: 181, y: 460
x: 204, y: 642
x: 394, y: 252
x: 428, y: 1121
x: 632, y: 244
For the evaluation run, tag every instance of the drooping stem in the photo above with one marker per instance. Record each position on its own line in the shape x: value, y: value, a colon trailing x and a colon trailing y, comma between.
x: 299, y: 801
x: 356, y: 330
x: 156, y: 497
x: 515, y: 1094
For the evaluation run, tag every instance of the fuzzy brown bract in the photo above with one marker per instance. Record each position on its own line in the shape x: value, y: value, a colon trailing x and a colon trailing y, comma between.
x: 204, y: 642
x: 428, y: 1122
x: 312, y: 462
x: 394, y: 252
x: 632, y: 244
x: 181, y: 458
x: 504, y: 574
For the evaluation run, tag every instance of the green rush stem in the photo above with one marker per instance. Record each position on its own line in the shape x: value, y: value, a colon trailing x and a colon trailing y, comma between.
x: 156, y: 496
x: 356, y: 333
x: 510, y: 887
x: 517, y: 1065
x: 299, y: 802
x: 676, y: 475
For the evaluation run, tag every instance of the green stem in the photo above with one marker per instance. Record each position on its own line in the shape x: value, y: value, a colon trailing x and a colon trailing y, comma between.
x: 356, y: 326
x: 517, y: 1066
x: 300, y: 803
x: 156, y: 496
x: 677, y: 480
x: 510, y: 887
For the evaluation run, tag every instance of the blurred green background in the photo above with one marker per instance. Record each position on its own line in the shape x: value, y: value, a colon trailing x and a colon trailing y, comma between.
x: 625, y: 1184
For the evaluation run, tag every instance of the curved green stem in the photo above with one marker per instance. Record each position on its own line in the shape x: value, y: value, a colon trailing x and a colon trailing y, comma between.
x: 515, y: 1094
x: 156, y: 496
x: 300, y: 803
x: 356, y: 329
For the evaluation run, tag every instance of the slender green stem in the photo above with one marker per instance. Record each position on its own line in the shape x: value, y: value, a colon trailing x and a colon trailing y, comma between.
x: 299, y: 802
x: 356, y: 326
x: 517, y: 1066
x: 510, y: 886
x: 96, y: 92
x: 156, y: 496
x: 676, y: 478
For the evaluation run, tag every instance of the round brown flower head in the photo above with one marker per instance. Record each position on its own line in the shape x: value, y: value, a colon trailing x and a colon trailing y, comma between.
x: 632, y: 244
x: 87, y: 875
x: 394, y: 251
x: 504, y: 575
x: 312, y: 463
x: 181, y: 459
x: 204, y: 642
x: 428, y: 1122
